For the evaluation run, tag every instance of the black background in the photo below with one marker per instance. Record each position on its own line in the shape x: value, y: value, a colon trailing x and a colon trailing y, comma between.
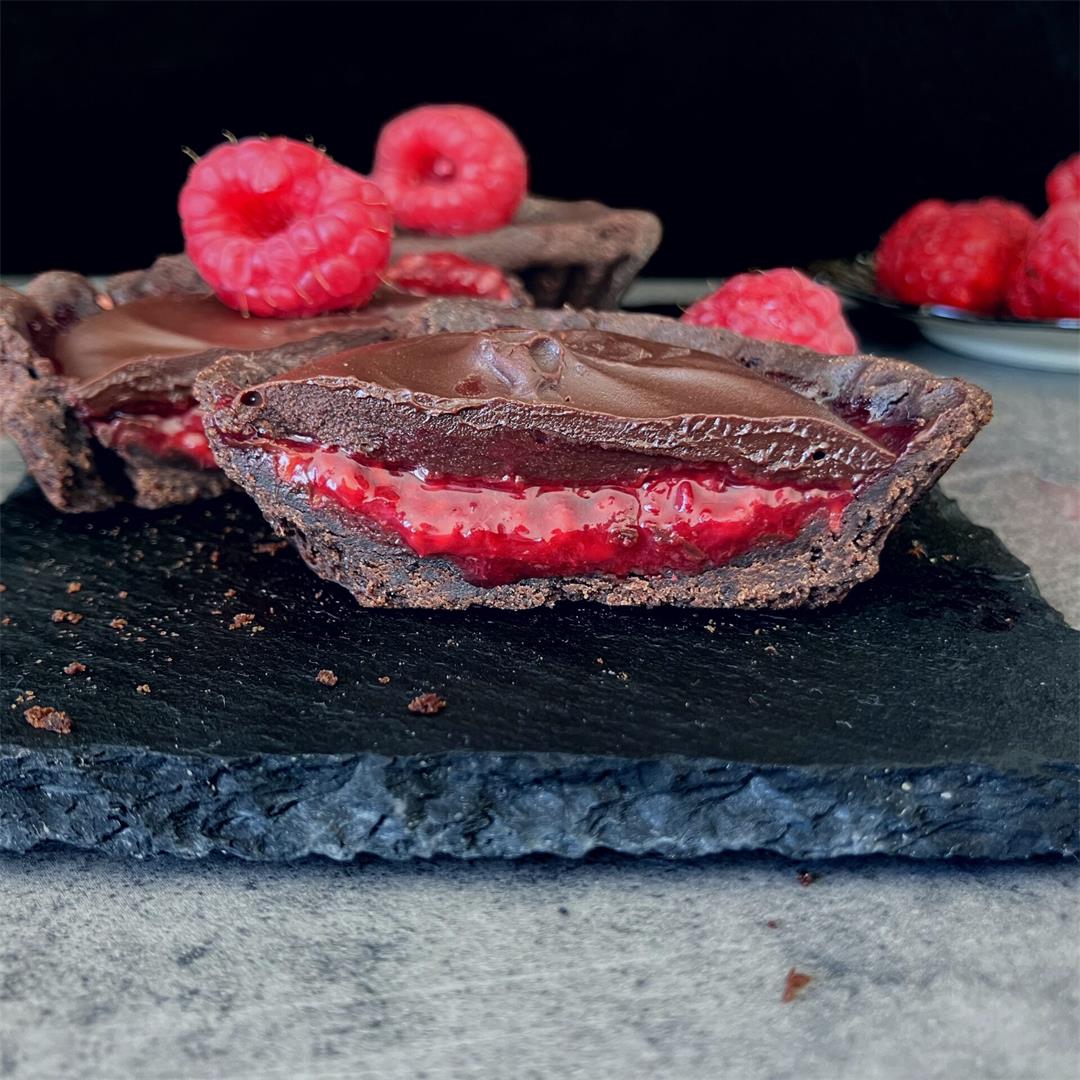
x: 763, y: 134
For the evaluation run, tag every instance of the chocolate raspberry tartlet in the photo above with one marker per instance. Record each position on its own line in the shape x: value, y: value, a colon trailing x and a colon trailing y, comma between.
x: 456, y: 178
x: 515, y: 459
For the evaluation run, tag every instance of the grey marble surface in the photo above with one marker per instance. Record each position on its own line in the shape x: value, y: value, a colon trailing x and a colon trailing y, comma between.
x: 605, y: 969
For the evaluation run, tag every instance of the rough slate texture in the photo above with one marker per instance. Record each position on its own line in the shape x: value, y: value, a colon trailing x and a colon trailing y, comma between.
x: 934, y: 713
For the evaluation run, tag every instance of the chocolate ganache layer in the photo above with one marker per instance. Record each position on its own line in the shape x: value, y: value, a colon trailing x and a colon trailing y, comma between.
x: 565, y: 405
x: 585, y: 455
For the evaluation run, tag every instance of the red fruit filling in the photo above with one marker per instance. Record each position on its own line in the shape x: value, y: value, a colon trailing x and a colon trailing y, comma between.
x: 167, y: 433
x: 499, y: 531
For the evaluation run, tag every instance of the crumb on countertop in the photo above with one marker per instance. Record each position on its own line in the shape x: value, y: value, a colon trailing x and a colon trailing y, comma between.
x: 46, y: 718
x: 122, y: 594
x: 243, y: 618
x: 75, y: 668
x: 382, y: 680
x: 143, y: 688
x: 428, y: 704
x: 795, y: 982
x: 806, y: 877
x: 74, y: 586
x: 326, y: 677
x: 59, y: 615
x: 118, y: 624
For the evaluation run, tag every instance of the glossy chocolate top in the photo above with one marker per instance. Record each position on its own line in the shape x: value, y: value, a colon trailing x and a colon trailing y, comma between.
x: 530, y: 398
x: 589, y: 370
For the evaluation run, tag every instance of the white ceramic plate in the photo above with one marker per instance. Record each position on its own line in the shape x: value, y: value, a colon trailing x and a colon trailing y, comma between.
x: 1049, y: 346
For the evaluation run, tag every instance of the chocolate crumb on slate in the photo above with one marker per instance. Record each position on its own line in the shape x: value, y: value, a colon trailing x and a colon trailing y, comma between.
x: 74, y: 586
x: 118, y: 624
x: 326, y: 677
x: 795, y: 982
x: 427, y: 704
x: 59, y: 615
x: 243, y: 618
x: 270, y: 547
x: 805, y: 877
x: 47, y: 718
x: 383, y: 680
x: 74, y: 668
x: 143, y: 688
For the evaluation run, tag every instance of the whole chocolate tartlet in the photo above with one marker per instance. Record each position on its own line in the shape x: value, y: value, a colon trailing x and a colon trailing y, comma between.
x: 520, y: 458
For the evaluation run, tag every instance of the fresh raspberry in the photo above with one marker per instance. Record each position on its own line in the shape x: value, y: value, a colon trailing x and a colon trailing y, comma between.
x: 277, y: 228
x: 443, y: 273
x: 1046, y: 282
x: 450, y: 170
x: 956, y: 254
x: 777, y: 305
x: 1064, y: 181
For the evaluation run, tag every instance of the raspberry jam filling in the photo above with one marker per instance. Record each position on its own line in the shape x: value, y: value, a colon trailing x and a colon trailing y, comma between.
x: 165, y: 433
x: 500, y: 531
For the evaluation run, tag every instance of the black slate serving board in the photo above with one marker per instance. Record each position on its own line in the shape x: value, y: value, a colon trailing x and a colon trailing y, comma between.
x: 935, y: 713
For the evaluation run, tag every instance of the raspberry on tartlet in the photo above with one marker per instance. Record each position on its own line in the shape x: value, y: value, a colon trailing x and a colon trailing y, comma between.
x: 777, y: 305
x: 443, y: 273
x: 277, y: 228
x: 956, y: 254
x: 450, y: 170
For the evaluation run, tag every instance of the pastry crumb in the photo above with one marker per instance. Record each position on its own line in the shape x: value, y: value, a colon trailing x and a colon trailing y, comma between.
x: 230, y: 593
x: 3, y: 587
x: 428, y: 704
x: 59, y: 615
x: 243, y: 618
x: 326, y: 677
x: 118, y: 624
x: 74, y: 668
x: 795, y: 982
x: 805, y: 877
x: 269, y: 547
x: 74, y: 586
x: 122, y: 594
x: 383, y: 680
x: 143, y: 688
x: 46, y: 718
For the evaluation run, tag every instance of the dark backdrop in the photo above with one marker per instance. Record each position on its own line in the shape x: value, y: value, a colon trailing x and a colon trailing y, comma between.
x: 762, y: 134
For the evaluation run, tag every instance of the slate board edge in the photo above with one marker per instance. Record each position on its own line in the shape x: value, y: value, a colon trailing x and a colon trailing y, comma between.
x: 486, y: 805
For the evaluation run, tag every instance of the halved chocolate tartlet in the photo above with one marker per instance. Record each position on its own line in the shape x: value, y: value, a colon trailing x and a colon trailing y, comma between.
x: 579, y: 253
x: 96, y: 385
x: 520, y: 458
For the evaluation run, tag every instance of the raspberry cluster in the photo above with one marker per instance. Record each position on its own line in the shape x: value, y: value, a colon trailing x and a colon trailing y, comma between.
x: 989, y: 256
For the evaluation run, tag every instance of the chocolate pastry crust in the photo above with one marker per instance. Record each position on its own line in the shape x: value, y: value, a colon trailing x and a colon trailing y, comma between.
x: 582, y: 253
x: 921, y: 423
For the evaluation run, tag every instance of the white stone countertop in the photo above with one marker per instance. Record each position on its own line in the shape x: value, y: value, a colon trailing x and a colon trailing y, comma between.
x: 547, y: 969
